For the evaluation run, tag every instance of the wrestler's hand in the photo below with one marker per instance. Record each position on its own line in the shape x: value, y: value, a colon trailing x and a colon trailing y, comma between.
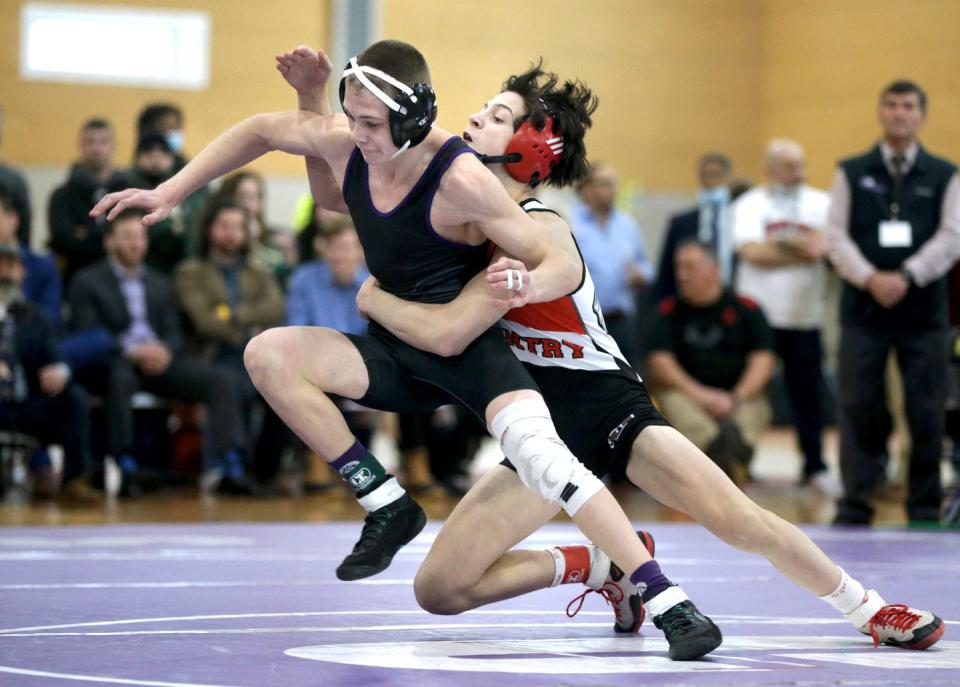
x: 365, y: 296
x: 512, y: 284
x: 158, y: 203
x: 306, y: 69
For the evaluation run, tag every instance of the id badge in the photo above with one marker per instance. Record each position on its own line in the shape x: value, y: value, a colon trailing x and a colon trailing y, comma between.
x: 896, y: 234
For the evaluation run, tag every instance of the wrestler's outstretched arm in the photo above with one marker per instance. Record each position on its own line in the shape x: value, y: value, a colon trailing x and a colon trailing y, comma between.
x: 298, y: 133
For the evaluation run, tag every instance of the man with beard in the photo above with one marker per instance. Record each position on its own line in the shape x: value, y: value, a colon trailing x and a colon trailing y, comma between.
x: 41, y: 281
x: 35, y: 385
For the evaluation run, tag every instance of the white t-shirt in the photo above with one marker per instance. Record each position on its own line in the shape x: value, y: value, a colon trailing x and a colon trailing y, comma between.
x: 791, y: 295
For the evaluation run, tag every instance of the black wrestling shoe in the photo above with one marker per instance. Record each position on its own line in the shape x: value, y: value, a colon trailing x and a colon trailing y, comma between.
x: 385, y: 531
x: 690, y: 633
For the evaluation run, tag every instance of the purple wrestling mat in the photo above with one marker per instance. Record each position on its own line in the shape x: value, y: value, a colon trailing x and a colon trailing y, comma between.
x: 254, y: 605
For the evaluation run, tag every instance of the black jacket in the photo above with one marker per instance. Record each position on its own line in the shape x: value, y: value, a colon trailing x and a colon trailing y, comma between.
x: 97, y: 301
x: 35, y: 343
x: 920, y: 200
x: 75, y: 236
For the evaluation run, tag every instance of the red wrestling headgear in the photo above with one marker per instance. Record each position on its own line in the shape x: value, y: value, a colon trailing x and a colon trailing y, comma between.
x: 538, y: 150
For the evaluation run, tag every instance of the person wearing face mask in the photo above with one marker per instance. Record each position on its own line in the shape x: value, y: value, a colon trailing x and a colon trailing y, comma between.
x: 707, y: 223
x: 178, y: 235
x: 778, y: 233
x: 165, y: 119
x: 35, y: 384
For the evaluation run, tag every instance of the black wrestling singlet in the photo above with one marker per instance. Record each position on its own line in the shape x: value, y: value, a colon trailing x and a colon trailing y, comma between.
x: 404, y: 253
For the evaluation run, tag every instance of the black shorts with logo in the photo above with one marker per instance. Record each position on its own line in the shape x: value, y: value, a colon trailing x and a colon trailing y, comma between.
x: 405, y: 379
x: 597, y: 414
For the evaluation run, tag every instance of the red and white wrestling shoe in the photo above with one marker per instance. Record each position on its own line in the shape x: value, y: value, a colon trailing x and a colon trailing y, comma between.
x: 896, y: 624
x: 616, y: 589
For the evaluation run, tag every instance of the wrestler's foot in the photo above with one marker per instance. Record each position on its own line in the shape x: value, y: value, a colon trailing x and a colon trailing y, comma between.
x: 905, y: 627
x: 385, y: 531
x: 617, y: 590
x: 689, y: 633
x: 896, y: 624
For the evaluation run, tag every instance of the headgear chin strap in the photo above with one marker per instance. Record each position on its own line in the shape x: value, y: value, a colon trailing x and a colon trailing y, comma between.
x: 532, y: 153
x: 411, y: 117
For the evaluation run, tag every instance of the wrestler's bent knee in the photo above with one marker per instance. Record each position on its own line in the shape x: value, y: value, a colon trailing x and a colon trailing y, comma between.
x: 435, y: 594
x: 264, y: 353
x: 544, y: 464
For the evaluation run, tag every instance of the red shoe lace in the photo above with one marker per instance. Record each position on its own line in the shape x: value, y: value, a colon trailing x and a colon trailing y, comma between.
x: 611, y: 593
x: 896, y: 616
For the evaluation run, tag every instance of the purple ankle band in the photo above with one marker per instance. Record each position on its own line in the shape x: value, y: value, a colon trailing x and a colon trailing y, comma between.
x: 649, y: 580
x: 352, y: 455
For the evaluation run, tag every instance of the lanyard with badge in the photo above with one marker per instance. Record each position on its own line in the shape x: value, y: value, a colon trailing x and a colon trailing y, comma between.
x: 895, y: 232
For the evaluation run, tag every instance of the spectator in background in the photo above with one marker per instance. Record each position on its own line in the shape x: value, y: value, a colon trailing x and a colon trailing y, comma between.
x: 271, y: 248
x: 894, y: 232
x: 612, y: 247
x: 323, y: 291
x: 40, y: 282
x: 36, y: 396
x: 778, y: 231
x: 136, y: 305
x: 228, y: 300
x: 175, y: 237
x: 711, y: 359
x: 708, y: 223
x: 16, y: 185
x: 165, y: 119
x: 310, y: 234
x: 952, y: 424
x: 76, y: 237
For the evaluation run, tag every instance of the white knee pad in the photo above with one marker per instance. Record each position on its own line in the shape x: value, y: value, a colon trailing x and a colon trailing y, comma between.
x: 543, y: 462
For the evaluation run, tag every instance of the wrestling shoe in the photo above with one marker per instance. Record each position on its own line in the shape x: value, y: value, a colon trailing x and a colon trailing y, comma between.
x: 617, y: 590
x: 905, y: 627
x: 385, y: 531
x: 689, y: 633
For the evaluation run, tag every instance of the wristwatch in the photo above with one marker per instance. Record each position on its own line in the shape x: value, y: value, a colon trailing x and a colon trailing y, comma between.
x: 907, y: 274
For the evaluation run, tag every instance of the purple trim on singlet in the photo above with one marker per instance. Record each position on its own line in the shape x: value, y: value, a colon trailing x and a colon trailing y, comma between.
x: 433, y: 232
x: 416, y: 186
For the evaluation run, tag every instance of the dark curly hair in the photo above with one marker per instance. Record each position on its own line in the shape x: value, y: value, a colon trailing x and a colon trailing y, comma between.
x: 211, y: 211
x: 571, y: 105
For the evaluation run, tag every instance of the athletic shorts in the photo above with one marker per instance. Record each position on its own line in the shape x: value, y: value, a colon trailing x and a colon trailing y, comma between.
x: 597, y: 414
x: 404, y: 379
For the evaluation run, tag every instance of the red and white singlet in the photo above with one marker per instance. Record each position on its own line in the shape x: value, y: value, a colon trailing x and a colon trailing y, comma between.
x: 567, y: 332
